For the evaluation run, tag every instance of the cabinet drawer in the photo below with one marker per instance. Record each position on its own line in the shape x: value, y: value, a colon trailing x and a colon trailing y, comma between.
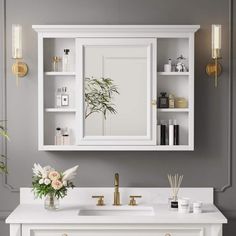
x: 117, y: 232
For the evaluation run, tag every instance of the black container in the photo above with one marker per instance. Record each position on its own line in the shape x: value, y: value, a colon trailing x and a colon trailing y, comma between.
x: 163, y: 134
x: 176, y: 134
x: 174, y: 204
x: 163, y: 101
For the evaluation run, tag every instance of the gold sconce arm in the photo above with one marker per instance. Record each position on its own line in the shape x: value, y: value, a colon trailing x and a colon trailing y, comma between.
x: 19, y: 69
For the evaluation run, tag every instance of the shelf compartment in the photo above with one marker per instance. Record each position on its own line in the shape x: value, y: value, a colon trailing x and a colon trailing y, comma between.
x: 54, y: 73
x: 50, y: 88
x: 174, y: 73
x: 182, y: 119
x: 178, y: 87
x: 172, y: 48
x: 62, y: 120
x: 173, y: 109
x: 55, y: 47
x: 60, y: 110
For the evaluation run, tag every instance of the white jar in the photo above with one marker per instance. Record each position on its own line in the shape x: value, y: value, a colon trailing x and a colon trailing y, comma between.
x: 167, y: 68
x: 197, y: 207
x: 184, y: 205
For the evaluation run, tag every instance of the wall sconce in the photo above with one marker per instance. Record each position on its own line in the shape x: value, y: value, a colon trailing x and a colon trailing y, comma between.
x: 19, y: 68
x: 214, y: 68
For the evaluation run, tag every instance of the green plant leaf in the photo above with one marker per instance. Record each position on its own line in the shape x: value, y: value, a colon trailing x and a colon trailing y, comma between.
x: 99, y: 94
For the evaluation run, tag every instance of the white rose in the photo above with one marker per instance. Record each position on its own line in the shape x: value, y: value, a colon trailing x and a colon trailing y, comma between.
x: 65, y: 183
x: 41, y: 181
x: 47, y: 181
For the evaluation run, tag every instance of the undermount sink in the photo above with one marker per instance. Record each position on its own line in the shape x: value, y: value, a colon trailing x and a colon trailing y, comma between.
x: 117, y: 211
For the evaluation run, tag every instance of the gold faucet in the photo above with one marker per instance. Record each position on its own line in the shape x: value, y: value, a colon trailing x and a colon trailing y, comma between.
x: 116, y: 193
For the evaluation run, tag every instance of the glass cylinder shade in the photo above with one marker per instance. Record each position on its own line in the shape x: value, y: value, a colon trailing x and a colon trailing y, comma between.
x: 216, y: 41
x: 16, y: 41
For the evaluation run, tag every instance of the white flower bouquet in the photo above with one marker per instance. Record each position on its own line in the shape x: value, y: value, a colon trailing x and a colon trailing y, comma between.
x: 47, y: 180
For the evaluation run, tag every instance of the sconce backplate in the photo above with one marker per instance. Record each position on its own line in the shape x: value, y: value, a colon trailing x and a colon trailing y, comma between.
x: 213, y: 68
x: 20, y: 69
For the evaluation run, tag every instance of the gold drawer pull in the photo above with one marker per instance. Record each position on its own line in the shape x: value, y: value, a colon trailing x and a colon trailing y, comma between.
x: 167, y: 234
x: 64, y: 235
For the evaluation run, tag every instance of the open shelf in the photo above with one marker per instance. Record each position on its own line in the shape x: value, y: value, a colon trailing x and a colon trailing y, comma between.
x: 54, y: 120
x: 173, y: 110
x: 60, y: 110
x: 173, y: 73
x: 53, y: 73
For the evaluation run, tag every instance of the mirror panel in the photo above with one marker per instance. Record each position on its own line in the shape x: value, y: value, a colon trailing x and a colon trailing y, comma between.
x: 120, y: 71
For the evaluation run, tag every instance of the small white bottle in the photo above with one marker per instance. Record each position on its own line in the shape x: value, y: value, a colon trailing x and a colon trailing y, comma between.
x: 66, y: 60
x: 197, y: 207
x: 58, y: 137
x: 58, y: 98
x: 64, y: 97
x: 171, y: 133
x: 167, y: 67
x: 66, y: 137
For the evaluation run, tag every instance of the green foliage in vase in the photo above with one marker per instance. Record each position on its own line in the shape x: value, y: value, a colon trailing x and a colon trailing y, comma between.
x: 4, y: 134
x: 99, y: 94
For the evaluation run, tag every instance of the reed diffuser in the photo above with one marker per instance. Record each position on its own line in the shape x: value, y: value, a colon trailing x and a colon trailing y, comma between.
x: 175, y: 182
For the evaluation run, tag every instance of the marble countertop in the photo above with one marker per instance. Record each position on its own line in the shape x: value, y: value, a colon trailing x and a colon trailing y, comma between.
x: 69, y: 214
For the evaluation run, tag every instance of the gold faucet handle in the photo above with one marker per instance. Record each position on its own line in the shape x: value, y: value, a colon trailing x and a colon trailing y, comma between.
x: 133, y: 201
x: 100, y: 201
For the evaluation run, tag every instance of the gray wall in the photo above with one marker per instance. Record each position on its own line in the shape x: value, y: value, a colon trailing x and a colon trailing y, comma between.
x: 205, y: 167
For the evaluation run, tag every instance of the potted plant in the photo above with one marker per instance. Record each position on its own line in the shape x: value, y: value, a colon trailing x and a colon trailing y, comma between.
x: 52, y: 184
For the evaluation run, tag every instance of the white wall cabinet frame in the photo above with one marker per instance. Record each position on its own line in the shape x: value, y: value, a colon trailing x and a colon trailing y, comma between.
x: 119, y: 33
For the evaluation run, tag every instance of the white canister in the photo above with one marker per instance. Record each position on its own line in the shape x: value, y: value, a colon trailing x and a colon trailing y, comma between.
x: 167, y: 68
x: 184, y: 205
x: 197, y: 207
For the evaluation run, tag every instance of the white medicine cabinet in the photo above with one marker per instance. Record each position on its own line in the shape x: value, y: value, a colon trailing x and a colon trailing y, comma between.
x: 109, y: 95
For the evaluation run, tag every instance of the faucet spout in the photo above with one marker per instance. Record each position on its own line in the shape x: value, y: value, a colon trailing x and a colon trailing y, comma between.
x: 116, y: 193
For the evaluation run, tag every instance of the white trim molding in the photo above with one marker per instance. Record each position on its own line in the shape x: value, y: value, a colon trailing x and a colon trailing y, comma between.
x: 115, y: 29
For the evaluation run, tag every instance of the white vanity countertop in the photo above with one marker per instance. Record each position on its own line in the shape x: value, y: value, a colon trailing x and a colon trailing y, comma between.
x: 36, y: 214
x: 31, y: 210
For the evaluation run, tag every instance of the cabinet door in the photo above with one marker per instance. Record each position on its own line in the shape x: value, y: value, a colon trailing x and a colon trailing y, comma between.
x: 116, y: 81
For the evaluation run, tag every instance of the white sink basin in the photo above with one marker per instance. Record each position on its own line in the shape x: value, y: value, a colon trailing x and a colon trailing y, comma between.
x: 117, y: 211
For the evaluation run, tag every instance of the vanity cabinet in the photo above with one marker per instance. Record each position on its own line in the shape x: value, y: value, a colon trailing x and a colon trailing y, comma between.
x: 124, y: 115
